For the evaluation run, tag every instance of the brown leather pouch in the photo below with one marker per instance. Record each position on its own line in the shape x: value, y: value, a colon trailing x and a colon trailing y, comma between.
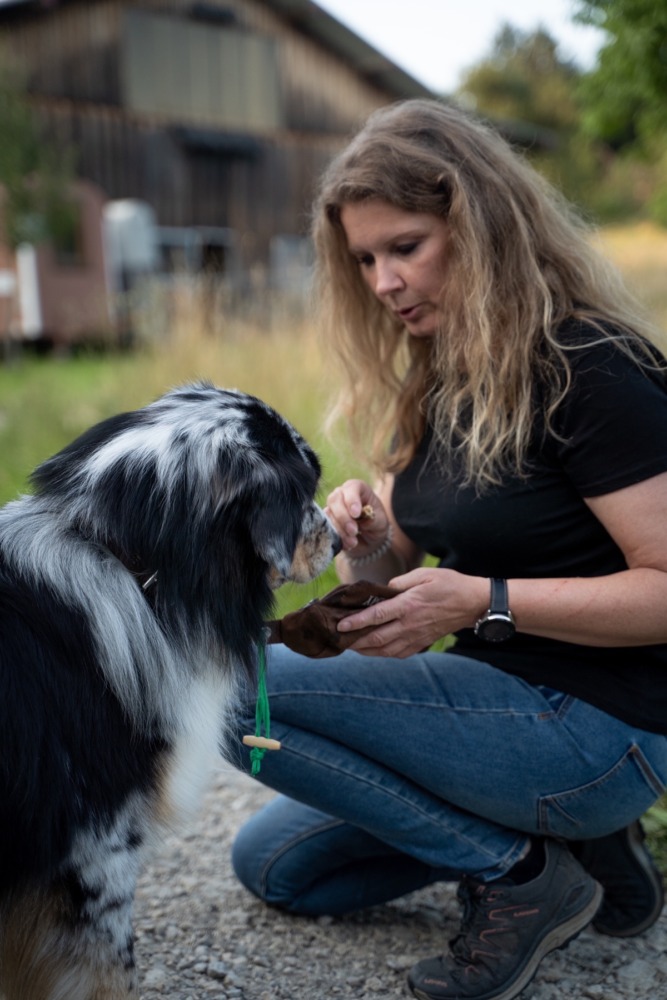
x: 312, y: 629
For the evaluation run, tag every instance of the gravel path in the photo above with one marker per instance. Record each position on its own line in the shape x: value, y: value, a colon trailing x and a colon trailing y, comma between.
x: 200, y: 935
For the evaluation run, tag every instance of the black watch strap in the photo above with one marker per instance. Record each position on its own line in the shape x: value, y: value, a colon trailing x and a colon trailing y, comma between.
x: 497, y: 624
x: 499, y: 597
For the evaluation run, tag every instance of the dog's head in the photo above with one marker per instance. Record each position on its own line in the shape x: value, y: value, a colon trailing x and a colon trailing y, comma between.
x: 209, y: 488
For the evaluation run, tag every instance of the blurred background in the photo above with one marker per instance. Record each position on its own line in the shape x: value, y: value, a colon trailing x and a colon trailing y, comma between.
x: 159, y: 157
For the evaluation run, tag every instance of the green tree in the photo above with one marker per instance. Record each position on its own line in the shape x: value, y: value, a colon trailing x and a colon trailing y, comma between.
x: 34, y: 178
x: 526, y: 87
x: 523, y: 79
x: 624, y: 96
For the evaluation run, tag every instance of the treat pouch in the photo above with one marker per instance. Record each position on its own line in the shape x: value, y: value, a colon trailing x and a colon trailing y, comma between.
x: 312, y: 630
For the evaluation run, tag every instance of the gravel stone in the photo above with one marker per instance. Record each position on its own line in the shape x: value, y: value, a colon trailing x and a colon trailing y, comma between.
x: 201, y: 936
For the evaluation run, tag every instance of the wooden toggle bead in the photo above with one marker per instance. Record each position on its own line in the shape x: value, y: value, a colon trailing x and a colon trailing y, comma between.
x: 262, y: 742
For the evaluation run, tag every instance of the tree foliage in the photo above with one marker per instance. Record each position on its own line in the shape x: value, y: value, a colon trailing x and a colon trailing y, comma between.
x: 524, y: 79
x: 529, y: 89
x: 624, y: 98
x: 34, y: 177
x: 600, y: 136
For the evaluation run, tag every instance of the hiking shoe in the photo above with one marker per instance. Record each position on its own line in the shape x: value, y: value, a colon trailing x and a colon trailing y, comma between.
x: 633, y: 890
x: 507, y: 930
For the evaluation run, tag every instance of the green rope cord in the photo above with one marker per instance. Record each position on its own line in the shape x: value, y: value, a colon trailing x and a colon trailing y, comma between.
x: 262, y: 712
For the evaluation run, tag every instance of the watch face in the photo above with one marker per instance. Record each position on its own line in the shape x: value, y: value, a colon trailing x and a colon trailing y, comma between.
x: 496, y: 628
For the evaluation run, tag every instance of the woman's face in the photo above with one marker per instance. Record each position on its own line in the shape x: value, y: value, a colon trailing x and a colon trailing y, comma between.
x: 402, y: 257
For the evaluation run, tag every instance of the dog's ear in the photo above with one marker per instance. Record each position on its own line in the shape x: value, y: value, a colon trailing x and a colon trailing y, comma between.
x: 276, y: 507
x: 274, y: 531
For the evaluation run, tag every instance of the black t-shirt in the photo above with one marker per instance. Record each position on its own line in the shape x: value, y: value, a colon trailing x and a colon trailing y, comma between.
x: 610, y: 431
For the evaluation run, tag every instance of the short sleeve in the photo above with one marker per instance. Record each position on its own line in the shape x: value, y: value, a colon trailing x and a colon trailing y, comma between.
x: 612, y: 425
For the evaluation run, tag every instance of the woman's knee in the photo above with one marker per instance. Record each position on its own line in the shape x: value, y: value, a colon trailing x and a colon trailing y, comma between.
x: 246, y: 861
x: 272, y: 854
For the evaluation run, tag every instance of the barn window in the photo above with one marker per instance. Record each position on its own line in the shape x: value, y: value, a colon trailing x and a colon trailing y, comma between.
x: 191, y: 71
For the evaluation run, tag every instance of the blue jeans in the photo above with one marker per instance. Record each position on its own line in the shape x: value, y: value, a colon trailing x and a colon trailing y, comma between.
x: 398, y: 773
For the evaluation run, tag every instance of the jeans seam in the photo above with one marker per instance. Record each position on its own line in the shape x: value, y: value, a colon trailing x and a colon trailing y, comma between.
x: 436, y: 706
x: 564, y: 706
x: 288, y: 845
x: 555, y: 801
x: 644, y: 765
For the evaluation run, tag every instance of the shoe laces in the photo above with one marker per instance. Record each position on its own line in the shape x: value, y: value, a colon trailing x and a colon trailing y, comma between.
x: 477, y: 899
x: 474, y: 944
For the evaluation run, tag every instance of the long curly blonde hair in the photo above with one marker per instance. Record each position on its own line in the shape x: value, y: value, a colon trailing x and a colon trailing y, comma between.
x: 520, y: 262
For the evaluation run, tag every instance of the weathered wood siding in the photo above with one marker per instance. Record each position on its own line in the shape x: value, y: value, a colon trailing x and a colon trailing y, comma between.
x: 81, y: 50
x: 197, y: 72
x: 259, y: 190
x: 216, y: 114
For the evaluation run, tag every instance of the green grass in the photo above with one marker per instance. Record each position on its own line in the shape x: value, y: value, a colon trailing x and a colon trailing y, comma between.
x: 655, y: 824
x: 45, y: 403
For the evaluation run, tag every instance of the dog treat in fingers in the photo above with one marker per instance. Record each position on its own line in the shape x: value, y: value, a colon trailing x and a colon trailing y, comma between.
x: 367, y: 513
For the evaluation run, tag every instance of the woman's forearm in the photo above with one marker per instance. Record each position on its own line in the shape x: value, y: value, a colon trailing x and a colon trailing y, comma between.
x: 623, y: 609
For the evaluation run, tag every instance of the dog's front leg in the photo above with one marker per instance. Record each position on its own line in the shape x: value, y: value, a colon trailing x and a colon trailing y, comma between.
x: 67, y: 942
x: 73, y: 939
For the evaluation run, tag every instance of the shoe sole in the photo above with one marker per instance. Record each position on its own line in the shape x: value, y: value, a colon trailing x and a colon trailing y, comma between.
x: 559, y: 937
x: 643, y: 860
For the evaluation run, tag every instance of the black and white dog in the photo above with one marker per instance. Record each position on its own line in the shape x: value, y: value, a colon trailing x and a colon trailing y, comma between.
x: 134, y: 586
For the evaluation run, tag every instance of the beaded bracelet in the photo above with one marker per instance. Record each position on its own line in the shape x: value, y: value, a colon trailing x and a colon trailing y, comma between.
x: 377, y: 553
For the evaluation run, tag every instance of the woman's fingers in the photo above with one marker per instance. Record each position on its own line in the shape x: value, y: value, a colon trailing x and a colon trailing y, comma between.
x: 357, y: 514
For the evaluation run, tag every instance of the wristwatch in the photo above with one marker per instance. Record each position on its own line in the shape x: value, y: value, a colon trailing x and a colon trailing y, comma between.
x: 496, y: 624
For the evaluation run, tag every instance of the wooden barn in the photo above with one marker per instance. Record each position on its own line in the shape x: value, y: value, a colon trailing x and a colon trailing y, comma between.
x: 219, y: 116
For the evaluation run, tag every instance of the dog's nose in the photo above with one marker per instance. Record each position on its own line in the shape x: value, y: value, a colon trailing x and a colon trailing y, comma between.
x: 336, y: 545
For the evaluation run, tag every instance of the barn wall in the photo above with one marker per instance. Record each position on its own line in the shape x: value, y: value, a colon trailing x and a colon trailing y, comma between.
x: 216, y: 114
x: 259, y: 189
x: 130, y: 89
x: 79, y: 51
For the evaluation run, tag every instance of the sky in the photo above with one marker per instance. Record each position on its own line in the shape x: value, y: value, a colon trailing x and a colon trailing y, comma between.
x: 436, y: 40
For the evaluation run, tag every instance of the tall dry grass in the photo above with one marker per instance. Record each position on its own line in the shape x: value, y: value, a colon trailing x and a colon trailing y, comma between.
x: 640, y: 253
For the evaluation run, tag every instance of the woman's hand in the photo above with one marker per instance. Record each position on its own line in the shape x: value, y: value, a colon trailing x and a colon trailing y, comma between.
x: 433, y: 603
x: 358, y: 515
